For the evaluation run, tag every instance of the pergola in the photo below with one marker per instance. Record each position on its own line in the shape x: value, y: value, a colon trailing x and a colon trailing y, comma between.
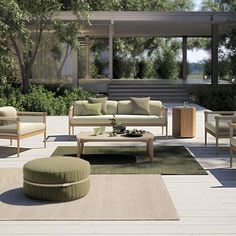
x: 110, y: 24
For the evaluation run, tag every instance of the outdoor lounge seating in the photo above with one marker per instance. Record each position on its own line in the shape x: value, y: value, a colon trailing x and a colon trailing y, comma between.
x: 232, y: 141
x: 122, y: 110
x: 57, y: 178
x: 217, y: 124
x: 19, y: 125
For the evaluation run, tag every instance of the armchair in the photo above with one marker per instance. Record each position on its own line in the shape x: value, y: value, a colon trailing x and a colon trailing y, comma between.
x: 13, y: 125
x: 217, y: 124
x: 232, y: 127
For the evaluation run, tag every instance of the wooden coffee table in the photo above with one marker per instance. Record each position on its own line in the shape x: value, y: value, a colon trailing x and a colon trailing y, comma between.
x: 84, y: 137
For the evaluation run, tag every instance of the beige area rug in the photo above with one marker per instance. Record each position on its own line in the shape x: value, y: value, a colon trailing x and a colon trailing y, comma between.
x: 111, y: 197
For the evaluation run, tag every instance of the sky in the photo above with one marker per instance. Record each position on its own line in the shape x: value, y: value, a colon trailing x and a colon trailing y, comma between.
x: 197, y: 4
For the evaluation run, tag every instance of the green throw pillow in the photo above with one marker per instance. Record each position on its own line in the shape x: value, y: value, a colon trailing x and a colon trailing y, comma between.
x: 102, y: 100
x: 91, y: 109
x: 140, y: 106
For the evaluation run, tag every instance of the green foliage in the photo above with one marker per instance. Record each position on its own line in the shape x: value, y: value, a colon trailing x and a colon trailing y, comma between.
x: 123, y: 68
x: 140, y: 5
x: 25, y: 40
x: 228, y: 40
x: 144, y: 69
x: 217, y: 98
x: 41, y: 99
x: 223, y: 67
x: 7, y: 69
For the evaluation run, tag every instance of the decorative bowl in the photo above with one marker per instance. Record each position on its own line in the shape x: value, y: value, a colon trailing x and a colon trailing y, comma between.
x: 134, y: 133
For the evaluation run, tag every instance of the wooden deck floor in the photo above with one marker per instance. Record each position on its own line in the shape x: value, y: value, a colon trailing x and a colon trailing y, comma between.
x: 206, y: 204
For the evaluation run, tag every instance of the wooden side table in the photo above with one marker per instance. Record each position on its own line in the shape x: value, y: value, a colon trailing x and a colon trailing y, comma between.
x: 184, y: 122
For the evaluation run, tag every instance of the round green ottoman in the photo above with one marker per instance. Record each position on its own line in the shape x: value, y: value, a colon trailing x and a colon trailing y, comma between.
x: 56, y: 178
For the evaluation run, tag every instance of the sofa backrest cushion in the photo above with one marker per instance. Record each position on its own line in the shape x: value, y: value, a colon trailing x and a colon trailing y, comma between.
x: 124, y: 107
x: 140, y: 106
x: 111, y: 107
x: 120, y: 107
x: 78, y: 107
x: 102, y: 100
x: 155, y: 107
x: 7, y: 112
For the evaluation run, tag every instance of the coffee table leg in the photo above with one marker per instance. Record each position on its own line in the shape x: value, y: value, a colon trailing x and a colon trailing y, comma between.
x: 150, y: 149
x: 78, y: 147
x: 81, y: 148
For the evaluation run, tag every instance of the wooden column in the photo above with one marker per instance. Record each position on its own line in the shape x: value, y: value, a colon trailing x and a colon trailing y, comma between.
x: 214, y: 53
x: 111, y: 31
x: 184, y: 60
x: 86, y: 59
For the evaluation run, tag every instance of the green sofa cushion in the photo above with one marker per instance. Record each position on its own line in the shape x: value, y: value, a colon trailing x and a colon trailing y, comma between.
x: 140, y: 106
x: 91, y: 109
x: 102, y: 100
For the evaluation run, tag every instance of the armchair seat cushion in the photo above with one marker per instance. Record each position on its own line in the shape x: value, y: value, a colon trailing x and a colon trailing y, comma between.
x: 233, y: 141
x: 126, y: 119
x: 25, y: 128
x: 82, y: 120
x: 223, y: 126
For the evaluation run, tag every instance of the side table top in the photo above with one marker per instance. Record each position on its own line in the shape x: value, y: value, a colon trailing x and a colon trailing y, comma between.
x: 184, y: 107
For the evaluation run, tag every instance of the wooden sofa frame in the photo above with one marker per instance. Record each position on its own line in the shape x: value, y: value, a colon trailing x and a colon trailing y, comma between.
x: 72, y: 126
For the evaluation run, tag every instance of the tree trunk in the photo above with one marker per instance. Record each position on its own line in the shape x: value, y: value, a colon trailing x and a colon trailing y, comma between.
x: 59, y: 70
x: 25, y: 75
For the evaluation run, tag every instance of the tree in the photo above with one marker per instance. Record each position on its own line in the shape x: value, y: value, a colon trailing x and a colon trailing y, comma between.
x: 140, y: 5
x: 12, y: 21
x: 24, y: 23
x: 228, y: 40
x: 166, y: 65
x: 65, y: 34
x: 26, y: 20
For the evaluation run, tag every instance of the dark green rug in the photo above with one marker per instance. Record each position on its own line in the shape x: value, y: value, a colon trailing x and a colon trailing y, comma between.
x: 168, y: 160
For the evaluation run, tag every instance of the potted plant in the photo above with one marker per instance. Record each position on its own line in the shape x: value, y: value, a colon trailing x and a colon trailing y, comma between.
x: 118, y: 127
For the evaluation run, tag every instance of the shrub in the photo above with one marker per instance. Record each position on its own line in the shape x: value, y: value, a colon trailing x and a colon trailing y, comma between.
x: 217, y: 98
x: 56, y: 102
x: 166, y: 65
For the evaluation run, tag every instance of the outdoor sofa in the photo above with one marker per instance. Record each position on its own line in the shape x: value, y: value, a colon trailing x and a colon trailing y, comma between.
x: 134, y: 112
